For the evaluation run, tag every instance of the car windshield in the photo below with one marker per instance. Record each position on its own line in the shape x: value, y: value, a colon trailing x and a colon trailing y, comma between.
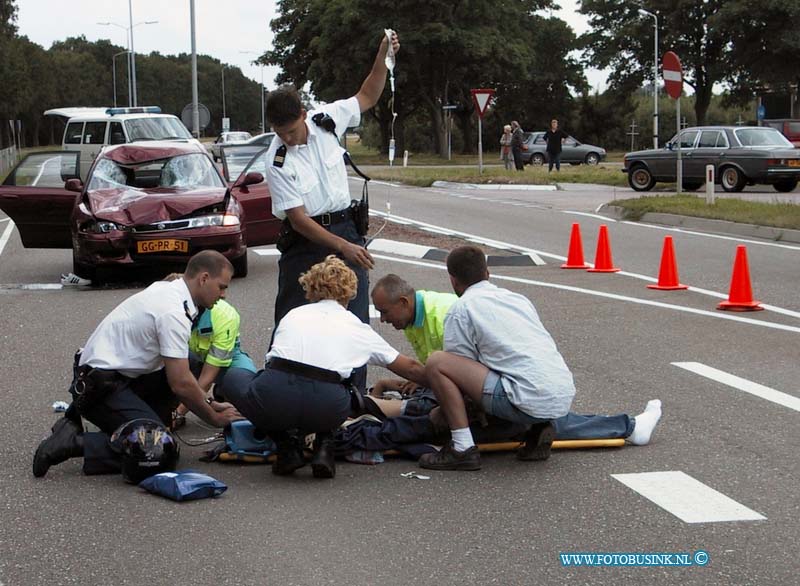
x: 162, y: 128
x: 183, y: 172
x: 761, y: 137
x: 236, y: 136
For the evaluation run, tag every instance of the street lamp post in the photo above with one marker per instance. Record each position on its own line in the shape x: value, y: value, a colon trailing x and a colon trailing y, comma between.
x: 644, y: 12
x: 223, y: 92
x: 114, y: 74
x: 132, y: 93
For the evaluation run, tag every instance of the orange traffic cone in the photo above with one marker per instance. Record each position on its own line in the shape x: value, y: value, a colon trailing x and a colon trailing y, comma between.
x: 668, y: 272
x: 575, y: 255
x: 602, y: 258
x: 740, y: 297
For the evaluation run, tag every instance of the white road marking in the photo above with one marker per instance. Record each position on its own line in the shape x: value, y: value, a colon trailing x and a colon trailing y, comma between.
x: 534, y: 255
x: 614, y: 296
x: 6, y: 235
x: 588, y: 215
x: 5, y: 220
x: 41, y: 170
x: 267, y: 251
x: 687, y: 498
x: 742, y: 384
x: 401, y: 248
x: 708, y: 235
x: 373, y: 313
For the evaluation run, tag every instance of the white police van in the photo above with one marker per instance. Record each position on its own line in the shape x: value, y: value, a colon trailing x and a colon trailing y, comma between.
x: 90, y: 129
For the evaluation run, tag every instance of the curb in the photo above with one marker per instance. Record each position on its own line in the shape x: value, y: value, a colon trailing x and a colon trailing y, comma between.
x: 710, y: 225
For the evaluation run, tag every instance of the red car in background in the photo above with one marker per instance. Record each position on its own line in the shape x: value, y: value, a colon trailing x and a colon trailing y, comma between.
x: 143, y: 205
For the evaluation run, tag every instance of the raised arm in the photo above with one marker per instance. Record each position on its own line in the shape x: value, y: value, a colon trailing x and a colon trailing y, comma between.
x: 373, y: 85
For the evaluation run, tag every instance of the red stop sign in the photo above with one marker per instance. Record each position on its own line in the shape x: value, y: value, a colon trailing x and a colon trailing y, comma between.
x: 673, y: 75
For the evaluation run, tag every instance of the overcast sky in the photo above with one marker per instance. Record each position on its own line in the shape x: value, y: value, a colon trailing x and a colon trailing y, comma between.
x: 224, y: 28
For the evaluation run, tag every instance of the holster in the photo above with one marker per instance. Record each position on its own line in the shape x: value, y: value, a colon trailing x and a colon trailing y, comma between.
x: 91, y: 385
x: 359, y: 209
x: 287, y: 237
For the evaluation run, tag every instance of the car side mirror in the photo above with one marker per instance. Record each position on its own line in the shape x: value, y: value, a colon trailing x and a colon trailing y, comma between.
x: 74, y: 184
x: 669, y: 146
x: 251, y: 178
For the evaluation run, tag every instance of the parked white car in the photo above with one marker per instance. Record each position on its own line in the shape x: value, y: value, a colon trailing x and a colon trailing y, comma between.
x: 227, y: 139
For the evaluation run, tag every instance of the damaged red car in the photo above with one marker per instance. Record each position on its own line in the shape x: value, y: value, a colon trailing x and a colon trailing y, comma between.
x: 143, y: 205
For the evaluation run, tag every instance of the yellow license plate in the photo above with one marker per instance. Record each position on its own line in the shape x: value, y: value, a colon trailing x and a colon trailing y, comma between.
x: 162, y: 245
x: 794, y: 162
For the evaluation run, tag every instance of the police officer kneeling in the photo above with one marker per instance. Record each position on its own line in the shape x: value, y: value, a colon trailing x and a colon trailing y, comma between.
x: 303, y: 388
x: 135, y: 366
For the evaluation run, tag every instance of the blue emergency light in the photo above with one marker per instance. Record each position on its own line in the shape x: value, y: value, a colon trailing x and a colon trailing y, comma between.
x: 141, y: 110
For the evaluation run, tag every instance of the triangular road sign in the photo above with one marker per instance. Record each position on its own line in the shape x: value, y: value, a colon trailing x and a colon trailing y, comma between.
x: 480, y: 98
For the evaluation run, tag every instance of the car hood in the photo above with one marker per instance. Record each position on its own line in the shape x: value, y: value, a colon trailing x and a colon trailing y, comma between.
x: 136, y: 206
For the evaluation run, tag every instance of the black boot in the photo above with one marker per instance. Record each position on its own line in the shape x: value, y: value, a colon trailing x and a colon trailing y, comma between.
x: 63, y: 444
x: 538, y: 441
x: 289, y: 456
x: 323, y: 464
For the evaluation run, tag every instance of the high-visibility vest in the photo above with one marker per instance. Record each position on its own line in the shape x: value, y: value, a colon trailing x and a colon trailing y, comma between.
x: 215, y: 338
x: 428, y: 337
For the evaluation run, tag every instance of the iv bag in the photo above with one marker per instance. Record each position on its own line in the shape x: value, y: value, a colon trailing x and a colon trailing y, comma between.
x: 389, y: 51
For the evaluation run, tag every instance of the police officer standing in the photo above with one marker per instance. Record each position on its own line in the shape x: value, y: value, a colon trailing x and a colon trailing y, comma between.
x: 308, y: 182
x: 135, y: 365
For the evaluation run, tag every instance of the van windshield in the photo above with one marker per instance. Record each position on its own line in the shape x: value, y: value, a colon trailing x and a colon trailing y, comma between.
x: 161, y: 128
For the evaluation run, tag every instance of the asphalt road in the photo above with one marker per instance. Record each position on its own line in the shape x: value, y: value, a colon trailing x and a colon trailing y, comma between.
x: 506, y: 524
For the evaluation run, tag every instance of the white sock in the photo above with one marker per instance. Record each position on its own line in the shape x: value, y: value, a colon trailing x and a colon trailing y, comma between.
x: 462, y: 439
x: 646, y: 423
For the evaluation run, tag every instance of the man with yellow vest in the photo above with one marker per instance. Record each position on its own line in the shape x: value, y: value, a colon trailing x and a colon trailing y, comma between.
x: 420, y: 315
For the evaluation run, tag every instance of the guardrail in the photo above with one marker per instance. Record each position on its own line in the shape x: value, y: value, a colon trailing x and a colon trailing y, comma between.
x: 8, y: 158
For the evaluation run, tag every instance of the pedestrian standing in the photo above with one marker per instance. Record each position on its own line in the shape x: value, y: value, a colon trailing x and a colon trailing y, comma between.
x: 555, y: 137
x: 516, y: 144
x: 505, y: 147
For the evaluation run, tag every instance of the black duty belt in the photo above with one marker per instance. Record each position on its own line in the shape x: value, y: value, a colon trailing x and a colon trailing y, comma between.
x: 306, y: 370
x: 333, y: 217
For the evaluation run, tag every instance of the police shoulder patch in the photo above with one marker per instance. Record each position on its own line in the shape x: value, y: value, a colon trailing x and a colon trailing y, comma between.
x: 280, y: 156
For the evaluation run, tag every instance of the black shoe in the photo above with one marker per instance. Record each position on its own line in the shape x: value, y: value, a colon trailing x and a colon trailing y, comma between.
x: 538, y: 441
x: 323, y: 463
x: 63, y: 444
x: 448, y: 458
x: 289, y: 457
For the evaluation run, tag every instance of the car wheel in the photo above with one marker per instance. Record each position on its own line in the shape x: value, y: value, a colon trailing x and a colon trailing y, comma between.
x: 640, y: 178
x: 691, y: 185
x: 592, y: 159
x: 732, y: 179
x: 537, y: 159
x: 785, y: 186
x: 240, y: 266
x: 83, y: 270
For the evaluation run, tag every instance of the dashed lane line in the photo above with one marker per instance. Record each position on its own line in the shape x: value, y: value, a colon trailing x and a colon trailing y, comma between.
x: 742, y: 384
x: 6, y: 235
x: 687, y: 498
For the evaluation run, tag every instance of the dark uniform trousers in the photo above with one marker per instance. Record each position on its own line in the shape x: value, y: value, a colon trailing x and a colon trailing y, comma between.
x: 299, y: 258
x: 146, y: 397
x: 278, y: 402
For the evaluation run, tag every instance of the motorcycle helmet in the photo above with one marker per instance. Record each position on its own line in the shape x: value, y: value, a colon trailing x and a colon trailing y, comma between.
x: 147, y: 448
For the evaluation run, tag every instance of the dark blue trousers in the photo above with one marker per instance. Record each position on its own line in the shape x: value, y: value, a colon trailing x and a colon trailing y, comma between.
x: 146, y: 397
x: 299, y: 258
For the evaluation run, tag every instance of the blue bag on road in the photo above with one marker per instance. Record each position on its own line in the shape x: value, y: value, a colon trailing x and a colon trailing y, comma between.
x: 186, y: 485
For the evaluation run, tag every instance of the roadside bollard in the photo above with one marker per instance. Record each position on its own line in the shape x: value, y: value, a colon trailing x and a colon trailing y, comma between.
x: 709, y: 184
x: 405, y: 158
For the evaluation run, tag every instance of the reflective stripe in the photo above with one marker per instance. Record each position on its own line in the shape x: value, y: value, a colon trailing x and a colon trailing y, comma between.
x: 220, y: 354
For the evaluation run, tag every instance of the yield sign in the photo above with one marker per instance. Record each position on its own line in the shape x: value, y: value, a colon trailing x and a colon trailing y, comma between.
x: 481, y: 99
x: 673, y: 75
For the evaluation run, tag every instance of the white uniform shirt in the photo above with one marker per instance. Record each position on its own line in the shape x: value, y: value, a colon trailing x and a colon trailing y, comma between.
x: 326, y: 335
x: 152, y: 324
x: 314, y: 174
x: 501, y: 330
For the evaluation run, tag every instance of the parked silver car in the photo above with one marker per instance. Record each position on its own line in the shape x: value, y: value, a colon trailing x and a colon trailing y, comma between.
x: 741, y: 155
x: 534, y: 151
x: 226, y: 139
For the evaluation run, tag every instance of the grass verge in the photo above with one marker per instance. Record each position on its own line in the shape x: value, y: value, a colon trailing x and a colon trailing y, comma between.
x: 424, y: 177
x: 779, y: 215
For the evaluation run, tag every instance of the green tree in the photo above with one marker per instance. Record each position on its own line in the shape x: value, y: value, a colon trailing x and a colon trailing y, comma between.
x: 622, y: 39
x: 447, y: 48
